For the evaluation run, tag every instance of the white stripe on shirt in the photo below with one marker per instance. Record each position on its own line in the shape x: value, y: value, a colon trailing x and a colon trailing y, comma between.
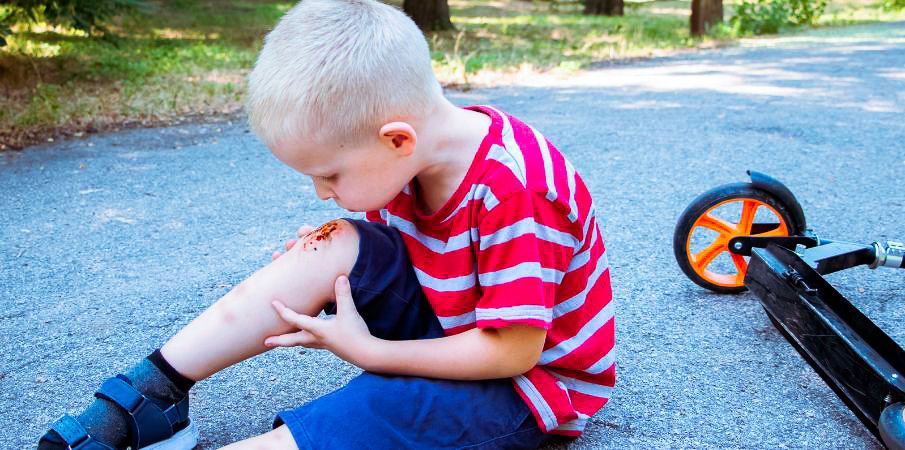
x: 530, y: 391
x: 528, y: 226
x: 567, y: 346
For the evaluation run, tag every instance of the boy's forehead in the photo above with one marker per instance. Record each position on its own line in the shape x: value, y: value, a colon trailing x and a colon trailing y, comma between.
x: 306, y: 156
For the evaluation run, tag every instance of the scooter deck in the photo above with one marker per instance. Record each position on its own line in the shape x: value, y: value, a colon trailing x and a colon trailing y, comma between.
x: 860, y: 362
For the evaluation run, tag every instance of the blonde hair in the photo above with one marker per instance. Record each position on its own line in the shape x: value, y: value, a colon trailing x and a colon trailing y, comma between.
x: 338, y: 70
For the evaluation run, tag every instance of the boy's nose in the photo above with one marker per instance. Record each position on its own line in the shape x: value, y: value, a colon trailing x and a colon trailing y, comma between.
x: 322, y: 192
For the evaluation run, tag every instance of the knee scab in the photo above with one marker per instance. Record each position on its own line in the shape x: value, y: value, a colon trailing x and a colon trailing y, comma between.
x: 314, y: 239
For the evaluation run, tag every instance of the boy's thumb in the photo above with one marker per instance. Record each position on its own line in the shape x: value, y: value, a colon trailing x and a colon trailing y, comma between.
x: 343, y: 293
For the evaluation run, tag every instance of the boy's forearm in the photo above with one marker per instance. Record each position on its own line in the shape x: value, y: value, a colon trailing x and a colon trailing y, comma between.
x: 477, y: 354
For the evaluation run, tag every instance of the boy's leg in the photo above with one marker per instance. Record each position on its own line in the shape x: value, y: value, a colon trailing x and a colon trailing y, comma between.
x: 234, y: 327
x: 386, y: 411
x: 376, y: 411
x: 277, y: 439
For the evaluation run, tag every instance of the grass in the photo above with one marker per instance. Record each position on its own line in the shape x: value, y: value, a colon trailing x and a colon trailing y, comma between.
x: 487, y: 46
x: 179, y: 59
x: 183, y: 59
x: 855, y: 12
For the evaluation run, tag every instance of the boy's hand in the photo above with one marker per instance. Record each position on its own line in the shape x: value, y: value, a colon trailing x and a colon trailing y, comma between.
x: 303, y: 230
x: 346, y: 335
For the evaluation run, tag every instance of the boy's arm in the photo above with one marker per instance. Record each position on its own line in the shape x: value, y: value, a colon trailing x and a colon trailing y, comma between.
x: 476, y: 354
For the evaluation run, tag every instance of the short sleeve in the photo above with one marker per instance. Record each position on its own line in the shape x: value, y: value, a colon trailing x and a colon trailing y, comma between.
x: 525, y: 244
x: 377, y: 216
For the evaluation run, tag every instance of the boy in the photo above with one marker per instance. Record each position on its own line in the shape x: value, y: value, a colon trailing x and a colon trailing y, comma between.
x: 476, y: 296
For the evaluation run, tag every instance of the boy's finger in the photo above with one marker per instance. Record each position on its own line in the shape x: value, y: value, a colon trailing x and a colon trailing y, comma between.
x: 275, y: 255
x: 305, y: 229
x: 289, y: 244
x: 343, y: 292
x: 302, y: 338
x: 301, y: 321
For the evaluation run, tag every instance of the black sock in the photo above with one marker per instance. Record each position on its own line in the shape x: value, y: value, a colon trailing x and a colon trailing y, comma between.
x: 179, y: 381
x: 105, y: 421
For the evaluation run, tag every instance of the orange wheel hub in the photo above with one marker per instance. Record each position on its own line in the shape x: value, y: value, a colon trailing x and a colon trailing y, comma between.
x: 726, y: 230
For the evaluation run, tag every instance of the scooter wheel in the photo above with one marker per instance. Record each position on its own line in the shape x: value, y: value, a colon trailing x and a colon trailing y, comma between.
x: 892, y: 426
x: 702, y: 234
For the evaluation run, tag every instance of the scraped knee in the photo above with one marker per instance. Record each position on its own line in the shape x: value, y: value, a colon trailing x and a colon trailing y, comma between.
x: 334, y: 245
x: 324, y: 235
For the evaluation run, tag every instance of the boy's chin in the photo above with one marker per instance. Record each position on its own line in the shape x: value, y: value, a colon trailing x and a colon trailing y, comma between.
x: 350, y: 208
x: 360, y: 206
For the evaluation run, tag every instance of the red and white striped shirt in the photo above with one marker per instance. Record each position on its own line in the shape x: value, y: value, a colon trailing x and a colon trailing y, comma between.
x: 518, y: 242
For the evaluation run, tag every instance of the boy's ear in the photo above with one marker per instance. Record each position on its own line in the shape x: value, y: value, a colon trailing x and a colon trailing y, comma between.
x: 399, y: 136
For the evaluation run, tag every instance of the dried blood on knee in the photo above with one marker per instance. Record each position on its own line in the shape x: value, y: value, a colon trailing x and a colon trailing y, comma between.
x: 322, y: 233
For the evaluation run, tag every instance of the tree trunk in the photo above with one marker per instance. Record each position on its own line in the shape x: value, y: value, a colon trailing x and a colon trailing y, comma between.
x: 705, y: 14
x: 604, y: 7
x: 429, y: 15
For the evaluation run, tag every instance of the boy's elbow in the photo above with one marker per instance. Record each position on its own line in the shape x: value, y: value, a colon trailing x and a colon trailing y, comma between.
x: 526, y: 364
x: 523, y: 349
x: 531, y: 356
x: 521, y: 363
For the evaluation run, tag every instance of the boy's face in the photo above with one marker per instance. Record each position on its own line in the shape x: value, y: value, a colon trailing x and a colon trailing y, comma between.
x: 362, y: 177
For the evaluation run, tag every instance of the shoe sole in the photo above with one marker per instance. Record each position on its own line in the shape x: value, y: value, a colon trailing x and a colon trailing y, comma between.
x: 184, y: 439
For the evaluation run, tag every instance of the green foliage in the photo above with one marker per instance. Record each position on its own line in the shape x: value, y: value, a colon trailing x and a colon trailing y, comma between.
x: 760, y: 16
x: 770, y: 16
x: 806, y: 12
x: 84, y: 15
x: 893, y: 5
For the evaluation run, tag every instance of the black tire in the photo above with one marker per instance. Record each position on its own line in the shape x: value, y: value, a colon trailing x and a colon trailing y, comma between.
x: 699, y: 206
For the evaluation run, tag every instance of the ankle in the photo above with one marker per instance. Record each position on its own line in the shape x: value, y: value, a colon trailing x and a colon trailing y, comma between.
x: 181, y: 381
x: 156, y: 379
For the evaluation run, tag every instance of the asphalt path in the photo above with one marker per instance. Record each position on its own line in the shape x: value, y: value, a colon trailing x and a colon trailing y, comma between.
x: 113, y: 242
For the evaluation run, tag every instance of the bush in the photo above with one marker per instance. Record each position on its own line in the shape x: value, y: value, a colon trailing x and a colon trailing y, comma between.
x: 806, y: 12
x: 893, y: 5
x: 760, y: 16
x: 85, y: 15
x: 770, y: 16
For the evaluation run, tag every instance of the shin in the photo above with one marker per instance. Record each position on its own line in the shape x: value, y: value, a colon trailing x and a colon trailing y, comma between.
x: 234, y: 328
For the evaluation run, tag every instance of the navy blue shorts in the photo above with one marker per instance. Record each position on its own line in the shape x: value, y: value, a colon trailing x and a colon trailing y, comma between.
x: 395, y: 412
